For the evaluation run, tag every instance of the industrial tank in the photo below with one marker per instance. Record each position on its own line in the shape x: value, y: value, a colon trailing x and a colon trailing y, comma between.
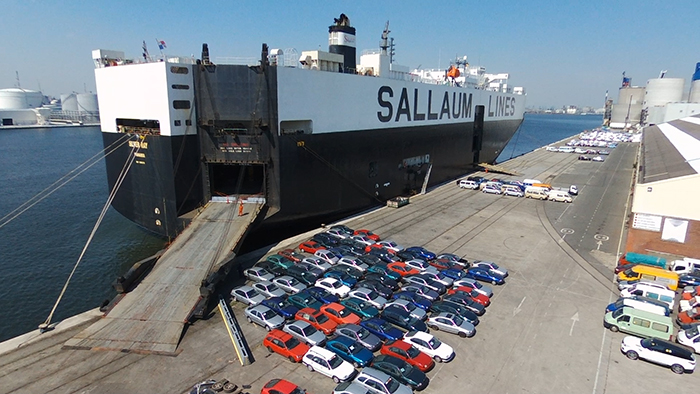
x: 69, y: 102
x: 695, y: 86
x: 87, y: 102
x: 631, y: 95
x: 661, y: 91
x: 18, y: 98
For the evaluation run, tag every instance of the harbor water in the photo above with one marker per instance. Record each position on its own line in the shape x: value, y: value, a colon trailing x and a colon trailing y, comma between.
x: 40, y: 247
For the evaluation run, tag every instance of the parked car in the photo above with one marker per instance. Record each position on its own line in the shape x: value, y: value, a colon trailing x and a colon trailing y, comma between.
x: 485, y: 275
x: 692, y: 279
x: 354, y: 262
x: 421, y: 290
x: 278, y: 386
x: 409, y: 307
x: 289, y: 284
x: 417, y: 300
x: 391, y: 245
x: 402, y: 268
x: 443, y: 264
x: 363, y: 239
x: 401, y: 371
x: 584, y: 157
x: 305, y: 274
x: 340, y: 314
x: 455, y: 259
x: 369, y: 259
x: 573, y: 190
x: 659, y: 351
x: 338, y: 233
x: 257, y: 274
x: 347, y: 230
x: 328, y: 363
x: 281, y: 306
x: 326, y: 240
x: 451, y: 307
x: 333, y: 286
x: 474, y: 284
x: 350, y: 351
x: 491, y: 266
x: 383, y: 255
x: 322, y: 295
x: 471, y: 292
x: 376, y: 286
x: 291, y: 254
x: 428, y: 344
x: 360, y: 308
x: 452, y: 323
x: 374, y: 237
x: 280, y: 260
x: 491, y: 189
x: 381, y: 383
x: 382, y: 329
x: 327, y: 256
x: 343, y: 277
x: 317, y: 319
x: 285, y: 344
x: 690, y: 337
x: 425, y: 253
x: 383, y: 279
x: 305, y: 332
x: 513, y: 192
x: 454, y: 274
x: 315, y: 262
x: 274, y: 269
x: 467, y: 302
x: 427, y: 282
x: 310, y: 246
x: 421, y: 265
x: 268, y: 289
x: 263, y: 316
x: 359, y: 334
x: 408, y: 353
x: 369, y: 296
x: 383, y: 269
x: 304, y: 299
x: 598, y: 158
x: 247, y: 295
x: 402, y: 318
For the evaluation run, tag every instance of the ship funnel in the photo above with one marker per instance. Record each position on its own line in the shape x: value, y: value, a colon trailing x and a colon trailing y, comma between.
x: 341, y: 40
x: 205, y: 54
x: 695, y: 86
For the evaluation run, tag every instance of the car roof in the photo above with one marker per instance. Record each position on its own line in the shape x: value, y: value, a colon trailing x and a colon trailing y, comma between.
x: 245, y: 288
x: 325, y: 353
x: 375, y: 373
x: 419, y: 334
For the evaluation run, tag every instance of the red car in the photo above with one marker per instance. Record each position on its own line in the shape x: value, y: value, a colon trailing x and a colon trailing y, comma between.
x: 317, y: 319
x: 282, y: 343
x: 686, y: 295
x: 443, y: 264
x: 408, y: 353
x: 310, y: 246
x: 689, y: 316
x: 378, y: 247
x: 291, y: 254
x: 280, y: 386
x: 475, y: 295
x: 340, y: 314
x: 402, y: 269
x: 368, y: 234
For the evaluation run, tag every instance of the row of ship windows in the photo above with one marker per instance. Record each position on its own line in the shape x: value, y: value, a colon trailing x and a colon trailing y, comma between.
x: 187, y: 122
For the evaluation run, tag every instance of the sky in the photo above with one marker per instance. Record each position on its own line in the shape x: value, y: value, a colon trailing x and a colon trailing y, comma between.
x: 562, y: 52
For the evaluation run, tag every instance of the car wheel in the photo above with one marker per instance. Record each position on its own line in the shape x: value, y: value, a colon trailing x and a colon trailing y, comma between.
x: 462, y: 334
x: 218, y: 386
x: 310, y: 367
x: 632, y: 355
x: 249, y: 319
x: 434, y: 327
x: 269, y: 349
x: 614, y: 329
x: 268, y: 328
x: 677, y: 368
x: 336, y: 380
x: 229, y: 387
x: 438, y: 359
x: 292, y: 359
x: 494, y: 282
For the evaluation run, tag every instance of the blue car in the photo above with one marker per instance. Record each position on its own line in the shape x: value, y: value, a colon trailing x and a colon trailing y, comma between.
x: 417, y: 300
x: 322, y: 295
x: 281, y: 306
x: 360, y: 308
x: 343, y: 277
x: 484, y: 275
x: 381, y: 268
x: 688, y: 280
x: 382, y: 329
x: 382, y: 255
x: 304, y: 299
x: 421, y: 290
x: 402, y: 318
x: 350, y: 350
x: 425, y: 253
x: 454, y: 273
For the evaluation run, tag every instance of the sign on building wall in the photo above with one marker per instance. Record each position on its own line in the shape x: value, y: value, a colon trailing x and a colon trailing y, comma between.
x: 674, y: 230
x: 645, y: 221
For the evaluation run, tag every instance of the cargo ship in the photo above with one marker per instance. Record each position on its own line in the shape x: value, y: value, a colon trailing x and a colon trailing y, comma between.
x: 318, y: 136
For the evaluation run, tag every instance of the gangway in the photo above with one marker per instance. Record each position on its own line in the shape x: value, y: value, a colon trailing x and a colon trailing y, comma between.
x: 151, y: 318
x: 499, y: 169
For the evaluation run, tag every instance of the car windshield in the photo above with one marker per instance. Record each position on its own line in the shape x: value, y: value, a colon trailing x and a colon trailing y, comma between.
x: 617, y: 313
x: 298, y: 390
x: 362, y: 333
x: 434, y: 343
x: 336, y: 285
x: 457, y: 320
x: 308, y: 330
x: 692, y: 332
x: 269, y: 314
x: 413, y: 352
x: 494, y: 266
x: 321, y: 318
x: 343, y: 312
x: 410, y: 307
x: 646, y: 342
x: 372, y: 295
x: 250, y: 293
x: 335, y: 362
x: 291, y: 343
x: 271, y: 287
x: 292, y: 282
x: 392, y: 385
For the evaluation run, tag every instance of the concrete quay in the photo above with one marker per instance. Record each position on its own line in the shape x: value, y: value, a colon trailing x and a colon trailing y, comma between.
x: 542, y: 333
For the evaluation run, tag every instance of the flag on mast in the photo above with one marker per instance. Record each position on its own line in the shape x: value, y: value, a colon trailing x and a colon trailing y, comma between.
x: 161, y: 44
x: 145, y: 51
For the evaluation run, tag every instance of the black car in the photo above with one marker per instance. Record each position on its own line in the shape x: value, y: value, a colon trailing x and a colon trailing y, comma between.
x: 304, y: 274
x: 689, y: 280
x: 347, y: 230
x: 402, y: 318
x: 382, y: 255
x: 477, y: 179
x: 451, y: 307
x: 401, y: 371
x: 467, y: 302
x: 583, y: 157
x: 326, y: 240
x: 352, y: 243
x: 406, y: 255
x: 382, y: 290
x: 274, y: 269
x: 344, y: 268
x: 369, y: 259
x: 383, y: 279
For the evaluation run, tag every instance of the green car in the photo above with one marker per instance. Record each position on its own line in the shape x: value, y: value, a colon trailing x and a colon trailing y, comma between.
x: 381, y: 268
x: 280, y: 261
x: 360, y: 308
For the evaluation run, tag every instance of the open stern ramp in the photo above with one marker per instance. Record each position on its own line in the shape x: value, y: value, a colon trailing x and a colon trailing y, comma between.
x: 151, y: 318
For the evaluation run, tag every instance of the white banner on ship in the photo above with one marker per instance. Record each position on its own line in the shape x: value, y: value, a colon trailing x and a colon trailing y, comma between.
x: 340, y: 38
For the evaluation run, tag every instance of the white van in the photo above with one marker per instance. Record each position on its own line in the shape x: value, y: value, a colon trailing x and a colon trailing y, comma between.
x: 566, y: 149
x: 466, y: 184
x: 536, y: 192
x: 685, y: 266
x: 648, y: 290
x: 559, y: 196
x: 530, y: 182
x: 641, y: 303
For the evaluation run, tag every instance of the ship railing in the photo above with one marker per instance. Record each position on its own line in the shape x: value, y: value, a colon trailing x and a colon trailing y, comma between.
x: 243, y: 61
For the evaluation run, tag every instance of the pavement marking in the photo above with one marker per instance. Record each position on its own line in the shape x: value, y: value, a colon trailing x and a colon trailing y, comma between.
x: 517, y: 309
x: 574, y: 319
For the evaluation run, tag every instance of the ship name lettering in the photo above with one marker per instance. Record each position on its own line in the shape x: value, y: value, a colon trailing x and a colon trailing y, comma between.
x: 461, y: 106
x: 502, y: 106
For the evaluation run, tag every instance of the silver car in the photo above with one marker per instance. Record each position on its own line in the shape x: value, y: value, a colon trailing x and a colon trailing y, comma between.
x: 257, y: 274
x: 268, y: 289
x: 316, y: 263
x: 411, y: 308
x: 351, y: 387
x: 289, y: 284
x: 421, y: 265
x: 354, y: 262
x: 424, y: 281
x: 491, y: 266
x: 379, y: 382
x: 305, y: 332
x: 369, y: 296
x: 264, y: 316
x: 247, y: 295
x: 452, y: 323
x: 474, y: 284
x: 361, y: 335
x: 438, y: 277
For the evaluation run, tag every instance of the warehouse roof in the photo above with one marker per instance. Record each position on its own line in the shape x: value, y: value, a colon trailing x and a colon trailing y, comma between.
x: 671, y: 150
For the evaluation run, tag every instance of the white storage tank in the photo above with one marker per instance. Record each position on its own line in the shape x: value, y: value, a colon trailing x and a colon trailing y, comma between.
x: 69, y: 102
x: 634, y: 95
x: 661, y: 91
x: 18, y: 98
x: 87, y: 102
x: 695, y: 92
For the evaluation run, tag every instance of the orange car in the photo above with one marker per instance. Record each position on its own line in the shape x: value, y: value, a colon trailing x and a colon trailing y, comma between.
x: 402, y: 269
x: 317, y: 319
x: 378, y: 247
x: 339, y: 314
x: 408, y: 353
x: 368, y: 234
x: 291, y: 254
x: 282, y: 343
x: 310, y: 246
x: 686, y: 295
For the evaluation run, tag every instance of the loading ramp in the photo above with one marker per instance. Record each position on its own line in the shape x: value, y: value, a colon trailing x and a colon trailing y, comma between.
x: 499, y: 169
x: 151, y: 318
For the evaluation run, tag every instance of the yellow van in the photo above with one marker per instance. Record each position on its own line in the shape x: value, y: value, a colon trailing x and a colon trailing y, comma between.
x: 645, y: 272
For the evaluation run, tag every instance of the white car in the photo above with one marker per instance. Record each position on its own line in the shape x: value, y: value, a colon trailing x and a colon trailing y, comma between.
x: 391, y: 245
x: 369, y: 296
x: 690, y: 337
x: 363, y: 239
x: 513, y: 191
x: 268, y: 289
x: 491, y: 266
x: 247, y: 295
x: 338, y: 233
x: 573, y: 190
x: 421, y: 265
x: 289, y: 284
x: 552, y: 149
x: 438, y: 277
x: 474, y: 284
x: 598, y: 158
x: 659, y: 351
x: 328, y: 363
x: 354, y: 262
x: 428, y: 344
x: 327, y: 256
x: 257, y: 274
x: 333, y: 286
